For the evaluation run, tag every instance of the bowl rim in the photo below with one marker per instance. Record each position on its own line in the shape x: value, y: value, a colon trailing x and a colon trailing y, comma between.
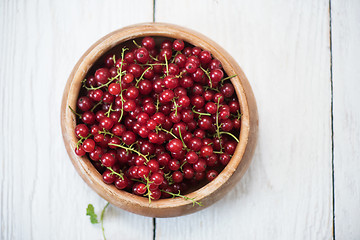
x: 83, y: 165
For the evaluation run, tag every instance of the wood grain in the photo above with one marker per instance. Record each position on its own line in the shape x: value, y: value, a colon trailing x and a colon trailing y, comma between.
x: 283, y: 48
x: 346, y: 85
x: 42, y: 196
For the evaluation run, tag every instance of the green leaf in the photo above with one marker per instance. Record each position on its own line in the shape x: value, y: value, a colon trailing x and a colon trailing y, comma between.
x: 90, y: 212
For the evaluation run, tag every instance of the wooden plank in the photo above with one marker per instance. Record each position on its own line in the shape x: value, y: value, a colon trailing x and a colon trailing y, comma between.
x: 346, y: 98
x: 283, y: 47
x: 42, y: 197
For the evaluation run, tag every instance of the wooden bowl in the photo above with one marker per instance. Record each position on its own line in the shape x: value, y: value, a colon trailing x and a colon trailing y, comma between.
x: 207, y: 194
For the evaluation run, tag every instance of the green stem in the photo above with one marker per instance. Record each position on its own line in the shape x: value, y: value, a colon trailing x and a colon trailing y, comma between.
x: 184, y: 197
x: 102, y: 220
x: 155, y: 59
x: 218, y: 152
x: 147, y: 186
x: 81, y: 140
x: 116, y: 173
x: 109, y: 111
x: 217, y: 122
x: 130, y: 149
x: 167, y: 66
x: 169, y: 132
x: 207, y: 74
x: 199, y: 113
x: 183, y: 140
x: 136, y: 44
x: 152, y: 64
x: 228, y: 78
x: 96, y: 105
x: 121, y: 115
x: 141, y: 77
x: 230, y: 135
x: 72, y: 110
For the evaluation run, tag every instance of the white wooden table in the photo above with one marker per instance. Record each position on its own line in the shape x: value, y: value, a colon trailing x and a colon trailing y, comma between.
x: 302, y: 60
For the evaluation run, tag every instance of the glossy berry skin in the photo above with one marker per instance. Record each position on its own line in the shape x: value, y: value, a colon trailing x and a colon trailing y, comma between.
x: 175, y: 145
x: 190, y: 67
x: 200, y: 165
x: 80, y: 151
x: 108, y: 160
x: 142, y: 55
x: 96, y: 95
x: 84, y: 104
x: 88, y: 117
x: 106, y: 123
x: 211, y: 175
x: 102, y: 75
x: 114, y: 89
x: 166, y: 96
x: 178, y: 45
x: 195, y: 144
x: 177, y: 176
x: 81, y: 130
x: 206, y: 151
x: 191, y: 157
x: 174, y: 164
x: 227, y: 90
x: 129, y: 138
x: 171, y: 82
x: 139, y: 189
x: 216, y: 75
x: 148, y: 43
x: 88, y: 145
x: 211, y: 107
x: 122, y: 183
x: 224, y: 159
x: 108, y: 177
x: 205, y: 57
x: 157, y: 178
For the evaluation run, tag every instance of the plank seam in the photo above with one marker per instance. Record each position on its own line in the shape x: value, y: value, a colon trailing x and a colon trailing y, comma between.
x: 332, y: 120
x: 154, y: 1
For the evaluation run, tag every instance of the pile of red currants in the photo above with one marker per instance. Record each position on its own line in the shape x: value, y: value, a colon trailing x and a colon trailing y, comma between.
x: 158, y: 119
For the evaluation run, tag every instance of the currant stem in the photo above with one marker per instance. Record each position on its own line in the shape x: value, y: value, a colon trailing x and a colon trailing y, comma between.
x: 96, y: 105
x: 152, y: 64
x: 207, y: 74
x: 147, y: 186
x: 109, y: 111
x: 169, y: 132
x: 176, y: 106
x: 218, y: 152
x: 167, y: 66
x: 72, y: 110
x: 155, y: 59
x: 130, y: 149
x: 183, y: 165
x: 217, y: 122
x: 228, y: 78
x: 183, y: 140
x: 110, y: 80
x: 237, y: 140
x: 182, y: 196
x: 199, y: 113
x: 116, y: 173
x: 136, y: 44
x: 102, y: 220
x: 81, y: 140
x: 141, y: 77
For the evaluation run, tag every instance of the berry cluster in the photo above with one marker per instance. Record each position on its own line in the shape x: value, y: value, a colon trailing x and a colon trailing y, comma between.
x: 158, y: 120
